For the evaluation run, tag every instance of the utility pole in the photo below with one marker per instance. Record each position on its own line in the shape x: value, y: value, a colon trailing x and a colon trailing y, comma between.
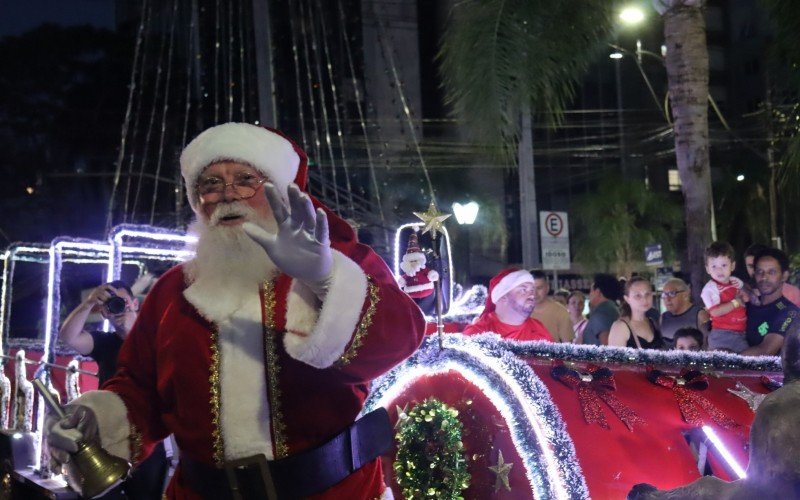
x: 773, y: 194
x: 528, y: 211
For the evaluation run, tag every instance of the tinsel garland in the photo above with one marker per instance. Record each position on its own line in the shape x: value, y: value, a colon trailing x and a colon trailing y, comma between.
x: 704, y: 360
x: 535, y: 423
x: 430, y: 459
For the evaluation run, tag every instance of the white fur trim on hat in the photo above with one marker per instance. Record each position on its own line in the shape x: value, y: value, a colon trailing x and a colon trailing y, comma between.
x: 270, y: 153
x: 510, y: 282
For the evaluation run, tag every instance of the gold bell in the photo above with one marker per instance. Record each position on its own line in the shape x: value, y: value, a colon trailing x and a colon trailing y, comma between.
x: 91, y: 471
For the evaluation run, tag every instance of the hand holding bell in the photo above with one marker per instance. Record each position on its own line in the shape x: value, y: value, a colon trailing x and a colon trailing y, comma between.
x: 91, y: 470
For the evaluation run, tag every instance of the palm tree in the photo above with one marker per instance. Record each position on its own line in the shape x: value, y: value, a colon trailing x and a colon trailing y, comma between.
x: 503, y: 62
x: 687, y: 75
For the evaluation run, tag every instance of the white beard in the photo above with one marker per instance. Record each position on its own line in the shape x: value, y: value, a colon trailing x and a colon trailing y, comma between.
x: 229, y: 266
x: 410, y: 268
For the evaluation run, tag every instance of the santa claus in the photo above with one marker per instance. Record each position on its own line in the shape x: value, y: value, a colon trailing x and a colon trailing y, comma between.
x: 415, y: 277
x: 260, y: 349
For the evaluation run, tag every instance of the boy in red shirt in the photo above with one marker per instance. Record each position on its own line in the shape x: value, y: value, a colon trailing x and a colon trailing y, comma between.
x: 724, y: 300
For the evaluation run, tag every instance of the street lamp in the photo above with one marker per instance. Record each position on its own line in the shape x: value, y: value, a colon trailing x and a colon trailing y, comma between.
x: 465, y: 216
x: 467, y: 213
x: 631, y: 15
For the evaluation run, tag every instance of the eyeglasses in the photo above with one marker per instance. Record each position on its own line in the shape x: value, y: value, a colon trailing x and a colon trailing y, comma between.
x: 673, y: 293
x: 212, y: 189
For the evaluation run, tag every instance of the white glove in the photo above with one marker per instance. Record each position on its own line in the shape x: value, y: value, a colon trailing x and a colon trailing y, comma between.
x: 63, y: 436
x: 302, y: 246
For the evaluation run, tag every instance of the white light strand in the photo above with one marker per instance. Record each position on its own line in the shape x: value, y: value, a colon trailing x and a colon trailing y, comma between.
x: 724, y: 452
x: 537, y: 428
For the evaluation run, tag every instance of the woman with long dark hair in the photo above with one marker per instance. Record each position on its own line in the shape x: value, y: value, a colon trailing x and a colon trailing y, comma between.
x: 634, y: 328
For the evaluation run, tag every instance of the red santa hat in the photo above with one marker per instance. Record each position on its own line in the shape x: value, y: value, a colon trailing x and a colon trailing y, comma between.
x: 266, y: 150
x: 413, y: 248
x: 502, y: 283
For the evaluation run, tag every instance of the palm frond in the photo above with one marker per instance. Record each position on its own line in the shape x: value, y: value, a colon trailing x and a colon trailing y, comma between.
x: 500, y: 56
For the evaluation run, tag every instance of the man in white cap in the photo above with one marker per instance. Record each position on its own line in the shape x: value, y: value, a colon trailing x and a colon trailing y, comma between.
x: 508, y: 308
x: 257, y: 354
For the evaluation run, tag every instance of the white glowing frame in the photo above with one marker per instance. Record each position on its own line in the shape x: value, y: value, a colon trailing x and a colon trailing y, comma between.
x: 398, y: 252
x: 168, y: 237
x: 724, y: 452
x: 9, y: 256
x: 27, y: 252
x: 496, y: 398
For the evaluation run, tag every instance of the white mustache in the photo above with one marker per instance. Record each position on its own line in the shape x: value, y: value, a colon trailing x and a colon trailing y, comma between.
x: 234, y: 208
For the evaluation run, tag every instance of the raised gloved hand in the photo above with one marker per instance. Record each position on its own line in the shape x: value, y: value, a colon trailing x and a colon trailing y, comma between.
x: 64, y: 435
x: 301, y: 248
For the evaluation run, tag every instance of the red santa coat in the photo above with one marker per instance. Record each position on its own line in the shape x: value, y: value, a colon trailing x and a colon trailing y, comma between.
x: 226, y: 389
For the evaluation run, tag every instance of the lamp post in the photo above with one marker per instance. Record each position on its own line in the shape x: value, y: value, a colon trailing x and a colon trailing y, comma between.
x: 465, y: 216
x: 629, y: 16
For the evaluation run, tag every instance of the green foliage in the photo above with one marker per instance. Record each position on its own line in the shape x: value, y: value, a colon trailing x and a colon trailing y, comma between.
x: 742, y: 208
x: 500, y: 57
x: 430, y: 455
x: 785, y: 17
x: 615, y: 223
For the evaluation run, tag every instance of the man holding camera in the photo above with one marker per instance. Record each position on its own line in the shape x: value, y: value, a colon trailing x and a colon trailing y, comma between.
x: 116, y: 303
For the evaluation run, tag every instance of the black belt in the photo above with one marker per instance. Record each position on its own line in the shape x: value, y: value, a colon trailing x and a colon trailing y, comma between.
x: 298, y: 476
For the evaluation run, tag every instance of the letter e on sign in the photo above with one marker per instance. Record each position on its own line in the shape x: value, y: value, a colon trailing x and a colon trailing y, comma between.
x: 553, y: 224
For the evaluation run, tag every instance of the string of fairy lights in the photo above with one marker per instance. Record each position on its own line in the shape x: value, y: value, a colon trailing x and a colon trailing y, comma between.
x: 194, y: 65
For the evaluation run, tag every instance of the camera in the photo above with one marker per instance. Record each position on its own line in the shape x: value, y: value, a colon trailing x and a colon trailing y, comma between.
x: 115, y: 305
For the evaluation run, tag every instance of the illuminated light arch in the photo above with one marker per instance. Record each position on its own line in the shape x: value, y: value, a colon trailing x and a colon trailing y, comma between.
x: 398, y: 253
x: 537, y: 428
x: 57, y: 247
x: 9, y: 258
x: 167, y: 244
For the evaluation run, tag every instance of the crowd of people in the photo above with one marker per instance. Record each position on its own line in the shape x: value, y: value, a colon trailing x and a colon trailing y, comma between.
x: 749, y: 315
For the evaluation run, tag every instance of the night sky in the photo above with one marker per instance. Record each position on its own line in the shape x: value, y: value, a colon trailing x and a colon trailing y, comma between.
x: 18, y: 16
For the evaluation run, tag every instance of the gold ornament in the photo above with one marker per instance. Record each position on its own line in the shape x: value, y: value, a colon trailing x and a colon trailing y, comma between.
x: 752, y: 398
x: 433, y: 219
x: 502, y: 469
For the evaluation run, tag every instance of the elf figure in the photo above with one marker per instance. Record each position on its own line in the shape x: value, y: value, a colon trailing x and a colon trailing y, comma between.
x: 416, y: 279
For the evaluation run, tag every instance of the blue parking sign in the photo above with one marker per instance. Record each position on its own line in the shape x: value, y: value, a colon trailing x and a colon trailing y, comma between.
x: 653, y: 255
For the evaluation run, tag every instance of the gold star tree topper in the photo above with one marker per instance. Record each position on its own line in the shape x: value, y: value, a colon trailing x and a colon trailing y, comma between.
x: 502, y: 469
x: 433, y: 219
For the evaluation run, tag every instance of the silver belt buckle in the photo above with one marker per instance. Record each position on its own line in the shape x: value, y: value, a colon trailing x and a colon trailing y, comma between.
x: 235, y: 467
